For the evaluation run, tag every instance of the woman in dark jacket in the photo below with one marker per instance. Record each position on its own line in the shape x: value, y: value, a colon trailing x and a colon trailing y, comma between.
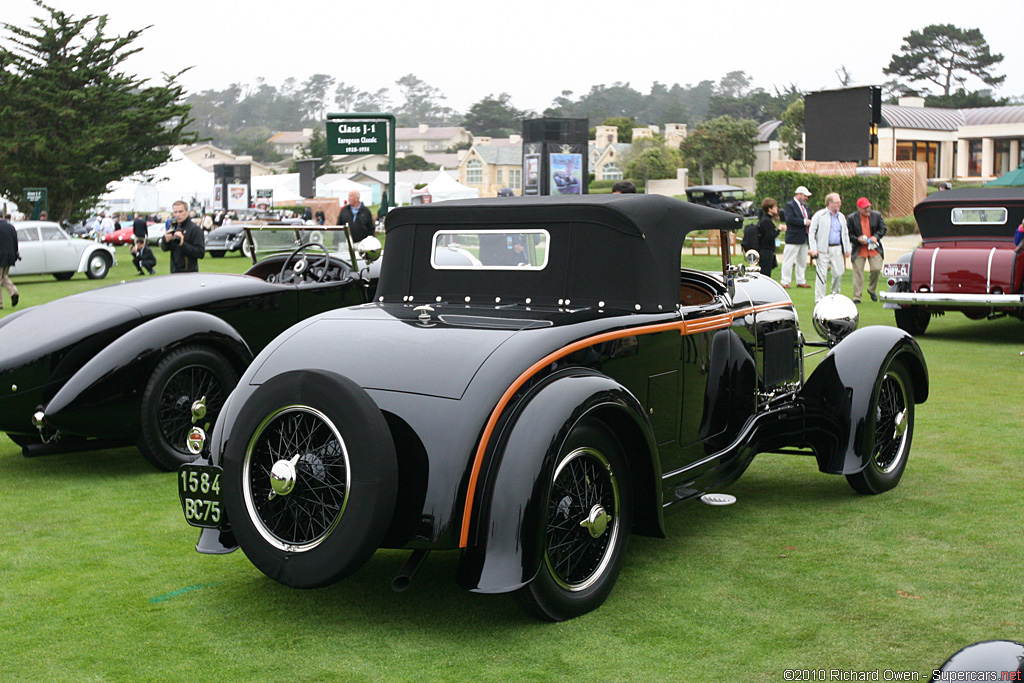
x: 766, y: 234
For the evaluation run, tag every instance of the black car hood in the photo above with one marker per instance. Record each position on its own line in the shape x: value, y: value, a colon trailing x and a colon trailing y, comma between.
x: 40, y: 330
x: 59, y: 324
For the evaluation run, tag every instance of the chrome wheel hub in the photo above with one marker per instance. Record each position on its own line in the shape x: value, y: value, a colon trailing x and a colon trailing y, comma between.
x: 596, y: 522
x: 901, y: 424
x: 282, y: 477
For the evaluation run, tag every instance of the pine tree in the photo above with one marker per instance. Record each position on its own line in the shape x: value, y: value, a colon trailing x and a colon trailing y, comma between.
x: 73, y: 121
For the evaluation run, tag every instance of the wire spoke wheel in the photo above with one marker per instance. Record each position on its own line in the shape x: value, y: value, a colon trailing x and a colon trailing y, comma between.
x: 296, y: 478
x: 583, y: 529
x: 583, y: 519
x: 892, y: 416
x: 311, y: 476
x: 185, y: 387
x: 182, y: 377
x: 891, y: 422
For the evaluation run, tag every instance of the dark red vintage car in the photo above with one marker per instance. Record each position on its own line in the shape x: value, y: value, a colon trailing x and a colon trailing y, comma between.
x: 966, y: 261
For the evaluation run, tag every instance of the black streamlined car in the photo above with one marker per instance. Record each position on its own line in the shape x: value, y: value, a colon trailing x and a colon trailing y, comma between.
x: 536, y: 379
x: 123, y: 365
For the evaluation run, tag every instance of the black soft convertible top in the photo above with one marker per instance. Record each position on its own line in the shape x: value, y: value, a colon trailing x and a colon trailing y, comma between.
x: 619, y: 251
x: 934, y: 212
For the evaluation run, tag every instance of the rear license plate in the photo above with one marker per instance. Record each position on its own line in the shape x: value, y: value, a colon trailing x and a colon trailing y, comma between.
x: 199, y: 487
x: 896, y: 270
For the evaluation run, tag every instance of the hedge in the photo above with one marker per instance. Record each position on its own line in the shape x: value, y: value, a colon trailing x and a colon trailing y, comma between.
x: 900, y: 225
x: 607, y: 184
x: 780, y: 185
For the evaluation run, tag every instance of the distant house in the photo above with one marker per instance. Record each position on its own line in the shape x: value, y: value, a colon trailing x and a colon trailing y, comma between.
x: 965, y: 144
x: 289, y: 143
x: 979, y: 143
x: 426, y: 141
x: 206, y: 156
x: 606, y: 153
x: 493, y: 163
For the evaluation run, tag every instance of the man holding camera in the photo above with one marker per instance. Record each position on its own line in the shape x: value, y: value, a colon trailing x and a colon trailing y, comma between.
x: 185, y: 240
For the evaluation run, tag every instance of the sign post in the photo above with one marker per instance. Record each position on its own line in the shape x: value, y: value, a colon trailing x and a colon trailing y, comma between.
x: 362, y: 133
x: 40, y: 202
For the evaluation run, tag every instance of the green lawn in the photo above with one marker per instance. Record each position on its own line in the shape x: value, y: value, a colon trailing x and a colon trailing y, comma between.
x: 99, y: 580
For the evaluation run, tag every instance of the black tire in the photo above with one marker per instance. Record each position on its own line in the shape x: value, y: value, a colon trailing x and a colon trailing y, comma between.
x: 64, y: 276
x: 182, y: 377
x: 332, y: 449
x: 97, y: 266
x: 913, y: 320
x: 216, y: 254
x: 581, y: 563
x: 888, y: 432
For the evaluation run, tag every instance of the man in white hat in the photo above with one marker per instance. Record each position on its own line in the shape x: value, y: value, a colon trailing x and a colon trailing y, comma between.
x: 794, y: 255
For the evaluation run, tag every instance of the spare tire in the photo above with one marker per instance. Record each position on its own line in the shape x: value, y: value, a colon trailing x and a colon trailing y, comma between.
x: 330, y: 500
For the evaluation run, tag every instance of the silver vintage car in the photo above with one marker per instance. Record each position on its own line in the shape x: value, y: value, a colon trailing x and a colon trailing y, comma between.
x: 46, y: 248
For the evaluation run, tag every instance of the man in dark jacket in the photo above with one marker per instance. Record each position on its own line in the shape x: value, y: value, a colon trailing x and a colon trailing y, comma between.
x: 8, y: 256
x: 866, y: 229
x: 185, y: 240
x: 139, y: 227
x: 358, y: 217
x: 142, y: 256
x: 797, y: 216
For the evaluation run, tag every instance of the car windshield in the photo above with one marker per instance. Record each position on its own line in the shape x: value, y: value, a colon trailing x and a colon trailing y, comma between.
x: 490, y: 250
x: 272, y: 240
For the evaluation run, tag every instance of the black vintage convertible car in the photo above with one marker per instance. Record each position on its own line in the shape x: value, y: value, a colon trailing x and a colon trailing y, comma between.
x: 533, y: 412
x: 123, y: 364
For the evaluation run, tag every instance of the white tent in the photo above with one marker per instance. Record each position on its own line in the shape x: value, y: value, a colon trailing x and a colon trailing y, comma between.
x: 444, y: 188
x: 342, y: 186
x: 179, y: 178
x: 285, y: 187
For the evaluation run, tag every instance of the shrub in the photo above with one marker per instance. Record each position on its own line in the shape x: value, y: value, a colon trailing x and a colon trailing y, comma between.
x: 900, y: 225
x: 780, y: 186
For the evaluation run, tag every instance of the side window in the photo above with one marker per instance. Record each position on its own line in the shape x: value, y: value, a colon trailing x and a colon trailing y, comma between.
x: 28, y: 235
x: 979, y: 216
x: 51, y: 233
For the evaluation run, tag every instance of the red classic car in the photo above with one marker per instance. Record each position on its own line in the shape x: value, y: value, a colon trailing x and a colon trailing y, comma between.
x: 124, y: 236
x: 966, y: 261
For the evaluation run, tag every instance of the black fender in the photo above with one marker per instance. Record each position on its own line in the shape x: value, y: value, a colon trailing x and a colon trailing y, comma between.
x: 507, y: 551
x: 126, y: 363
x: 837, y: 396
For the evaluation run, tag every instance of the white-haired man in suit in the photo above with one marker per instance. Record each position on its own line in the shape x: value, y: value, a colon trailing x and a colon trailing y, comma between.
x: 829, y: 241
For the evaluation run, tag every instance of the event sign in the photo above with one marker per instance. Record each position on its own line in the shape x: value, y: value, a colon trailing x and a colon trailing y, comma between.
x: 238, y: 197
x: 357, y: 137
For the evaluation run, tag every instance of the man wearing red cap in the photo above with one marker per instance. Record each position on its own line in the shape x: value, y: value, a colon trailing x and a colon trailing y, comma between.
x: 867, y: 228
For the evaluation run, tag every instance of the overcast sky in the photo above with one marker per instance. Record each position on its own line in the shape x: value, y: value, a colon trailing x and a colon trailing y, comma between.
x: 535, y: 50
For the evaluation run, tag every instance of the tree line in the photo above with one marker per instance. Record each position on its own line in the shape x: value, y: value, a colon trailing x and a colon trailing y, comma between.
x: 242, y: 117
x: 73, y: 121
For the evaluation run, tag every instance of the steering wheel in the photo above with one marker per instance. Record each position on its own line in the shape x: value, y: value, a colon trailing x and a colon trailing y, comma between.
x: 302, y: 265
